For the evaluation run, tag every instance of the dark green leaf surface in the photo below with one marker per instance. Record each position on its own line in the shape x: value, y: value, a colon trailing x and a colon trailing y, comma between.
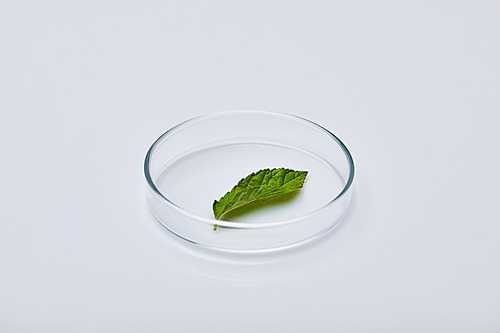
x: 259, y: 185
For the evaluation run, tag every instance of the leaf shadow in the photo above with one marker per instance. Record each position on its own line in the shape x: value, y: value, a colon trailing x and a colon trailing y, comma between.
x: 268, y: 203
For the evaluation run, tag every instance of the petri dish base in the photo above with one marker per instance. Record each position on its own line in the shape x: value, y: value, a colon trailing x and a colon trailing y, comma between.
x: 201, y: 159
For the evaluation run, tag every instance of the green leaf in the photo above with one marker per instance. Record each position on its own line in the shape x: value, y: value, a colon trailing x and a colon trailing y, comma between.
x: 260, y: 185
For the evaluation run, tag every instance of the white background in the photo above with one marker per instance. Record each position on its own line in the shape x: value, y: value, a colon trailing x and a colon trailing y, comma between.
x: 411, y: 87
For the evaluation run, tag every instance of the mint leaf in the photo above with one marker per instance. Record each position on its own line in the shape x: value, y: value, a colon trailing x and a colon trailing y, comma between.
x: 260, y: 185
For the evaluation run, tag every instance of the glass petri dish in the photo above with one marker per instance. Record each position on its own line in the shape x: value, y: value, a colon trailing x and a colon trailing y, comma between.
x: 199, y: 160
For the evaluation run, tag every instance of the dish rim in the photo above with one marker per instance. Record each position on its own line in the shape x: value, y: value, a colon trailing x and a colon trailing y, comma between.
x: 239, y: 225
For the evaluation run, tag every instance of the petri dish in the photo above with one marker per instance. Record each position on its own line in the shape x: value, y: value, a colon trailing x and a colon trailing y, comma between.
x: 201, y: 159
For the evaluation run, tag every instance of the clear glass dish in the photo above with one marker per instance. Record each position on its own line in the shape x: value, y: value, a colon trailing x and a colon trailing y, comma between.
x: 199, y: 160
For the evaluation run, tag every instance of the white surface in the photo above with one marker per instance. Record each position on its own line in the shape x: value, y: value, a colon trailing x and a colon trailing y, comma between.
x: 412, y: 88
